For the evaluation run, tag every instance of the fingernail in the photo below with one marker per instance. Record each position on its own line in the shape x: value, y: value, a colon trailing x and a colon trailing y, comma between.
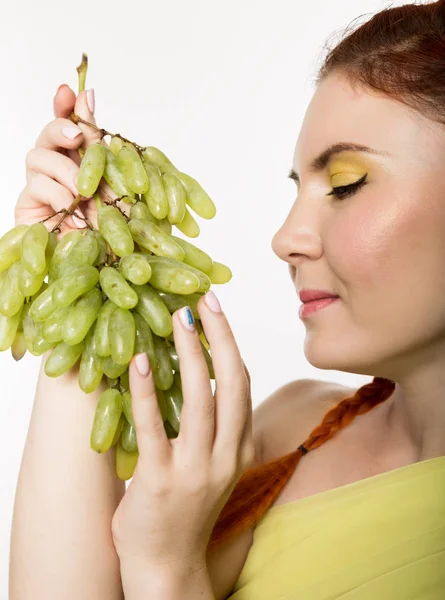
x: 71, y: 131
x: 91, y: 100
x: 142, y: 364
x: 212, y: 302
x: 186, y: 316
x: 78, y: 222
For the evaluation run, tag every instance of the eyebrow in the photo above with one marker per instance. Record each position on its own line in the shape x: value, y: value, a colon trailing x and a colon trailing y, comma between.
x: 321, y: 161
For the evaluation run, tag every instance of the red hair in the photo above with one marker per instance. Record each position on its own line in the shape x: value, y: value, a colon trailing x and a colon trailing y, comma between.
x: 399, y: 52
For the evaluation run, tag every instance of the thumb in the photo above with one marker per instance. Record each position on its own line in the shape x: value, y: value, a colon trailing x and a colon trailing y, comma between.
x: 84, y: 108
x: 63, y: 102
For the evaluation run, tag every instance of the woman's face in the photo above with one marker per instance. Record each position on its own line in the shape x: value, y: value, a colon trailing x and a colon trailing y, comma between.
x: 382, y: 250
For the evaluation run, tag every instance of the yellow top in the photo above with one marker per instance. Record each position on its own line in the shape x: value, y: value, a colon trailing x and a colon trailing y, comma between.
x: 379, y: 538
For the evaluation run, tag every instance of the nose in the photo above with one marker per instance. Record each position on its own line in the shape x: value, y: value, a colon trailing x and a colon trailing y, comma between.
x: 295, y: 241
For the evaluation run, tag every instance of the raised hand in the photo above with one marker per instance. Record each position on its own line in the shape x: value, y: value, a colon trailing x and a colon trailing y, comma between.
x: 181, y: 485
x: 52, y: 165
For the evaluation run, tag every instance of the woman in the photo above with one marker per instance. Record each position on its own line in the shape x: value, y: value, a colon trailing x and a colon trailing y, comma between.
x: 365, y: 517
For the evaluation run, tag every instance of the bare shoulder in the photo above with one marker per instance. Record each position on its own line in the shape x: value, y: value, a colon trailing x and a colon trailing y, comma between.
x: 278, y: 423
x: 288, y: 416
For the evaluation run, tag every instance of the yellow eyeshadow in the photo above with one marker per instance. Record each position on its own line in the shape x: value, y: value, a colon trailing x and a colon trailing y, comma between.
x: 343, y: 172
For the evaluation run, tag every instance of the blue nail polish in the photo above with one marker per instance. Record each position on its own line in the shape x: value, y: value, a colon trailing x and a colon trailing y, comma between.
x: 187, y: 319
x: 191, y: 320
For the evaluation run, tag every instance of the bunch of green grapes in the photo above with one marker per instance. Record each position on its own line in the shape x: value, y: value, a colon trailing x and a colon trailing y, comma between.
x: 99, y: 296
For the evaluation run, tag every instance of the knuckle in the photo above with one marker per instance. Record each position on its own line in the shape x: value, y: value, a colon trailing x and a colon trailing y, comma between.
x: 30, y: 158
x: 209, y: 410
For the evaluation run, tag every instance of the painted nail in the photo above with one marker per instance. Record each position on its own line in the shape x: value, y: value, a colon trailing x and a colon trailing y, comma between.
x: 71, y: 131
x: 186, y: 316
x: 78, y: 222
x: 91, y: 100
x: 142, y: 364
x: 212, y: 302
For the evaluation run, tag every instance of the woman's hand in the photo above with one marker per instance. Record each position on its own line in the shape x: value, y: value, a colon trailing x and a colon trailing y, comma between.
x: 52, y: 165
x: 181, y: 485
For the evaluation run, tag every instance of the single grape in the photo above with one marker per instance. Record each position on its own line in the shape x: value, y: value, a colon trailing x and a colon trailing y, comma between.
x: 174, y: 399
x: 164, y: 261
x: 34, y: 245
x: 113, y: 226
x: 150, y: 236
x: 125, y: 462
x: 11, y: 246
x: 114, y: 175
x: 156, y: 157
x: 122, y: 333
x: 128, y: 437
x: 188, y: 226
x: 8, y: 329
x: 197, y: 198
x: 175, y: 302
x: 44, y: 305
x: 194, y: 256
x: 173, y: 279
x: 61, y: 252
x: 117, y: 289
x: 74, y: 284
x: 176, y: 196
x: 91, y: 365
x: 82, y: 314
x: 106, y: 420
x: 127, y: 407
x: 91, y: 169
x: 11, y: 296
x: 133, y: 169
x: 102, y: 340
x: 151, y: 307
x: 155, y: 197
x: 84, y: 253
x: 116, y: 144
x: 120, y: 426
x: 220, y: 273
x: 112, y: 369
x: 18, y: 346
x: 62, y: 358
x: 135, y: 268
x: 162, y: 369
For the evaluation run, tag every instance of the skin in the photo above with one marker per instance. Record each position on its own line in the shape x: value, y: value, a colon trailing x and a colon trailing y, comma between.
x: 382, y: 250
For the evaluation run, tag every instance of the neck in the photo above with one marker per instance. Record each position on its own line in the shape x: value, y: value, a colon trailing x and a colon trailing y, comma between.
x: 415, y: 417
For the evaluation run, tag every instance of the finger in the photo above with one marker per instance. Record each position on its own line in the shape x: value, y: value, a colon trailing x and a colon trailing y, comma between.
x: 63, y: 102
x: 43, y: 194
x: 153, y: 444
x: 230, y: 379
x: 247, y: 442
x: 82, y: 110
x: 197, y: 428
x: 60, y: 134
x: 54, y: 165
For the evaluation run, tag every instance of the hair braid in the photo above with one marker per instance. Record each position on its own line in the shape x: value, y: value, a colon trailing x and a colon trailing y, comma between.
x: 260, y: 485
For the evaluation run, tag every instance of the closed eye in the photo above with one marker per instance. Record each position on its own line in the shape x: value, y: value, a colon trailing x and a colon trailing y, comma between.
x: 344, y: 191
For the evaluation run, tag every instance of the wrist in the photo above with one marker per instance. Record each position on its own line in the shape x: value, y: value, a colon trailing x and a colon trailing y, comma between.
x: 141, y: 580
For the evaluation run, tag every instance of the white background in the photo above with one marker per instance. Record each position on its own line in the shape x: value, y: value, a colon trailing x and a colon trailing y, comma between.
x: 221, y: 88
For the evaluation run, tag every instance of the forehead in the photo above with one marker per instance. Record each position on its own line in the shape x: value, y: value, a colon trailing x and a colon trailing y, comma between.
x: 339, y: 113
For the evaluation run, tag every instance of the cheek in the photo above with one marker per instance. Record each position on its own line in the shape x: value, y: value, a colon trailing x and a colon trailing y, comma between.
x: 390, y: 248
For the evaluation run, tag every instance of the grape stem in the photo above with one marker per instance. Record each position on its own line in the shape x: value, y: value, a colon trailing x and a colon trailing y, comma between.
x: 76, y: 119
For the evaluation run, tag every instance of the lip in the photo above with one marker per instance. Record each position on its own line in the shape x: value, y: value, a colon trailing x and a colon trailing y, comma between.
x: 307, y: 308
x: 310, y: 295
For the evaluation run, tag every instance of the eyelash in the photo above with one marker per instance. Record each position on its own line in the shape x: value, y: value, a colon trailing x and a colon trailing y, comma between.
x: 345, y: 191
